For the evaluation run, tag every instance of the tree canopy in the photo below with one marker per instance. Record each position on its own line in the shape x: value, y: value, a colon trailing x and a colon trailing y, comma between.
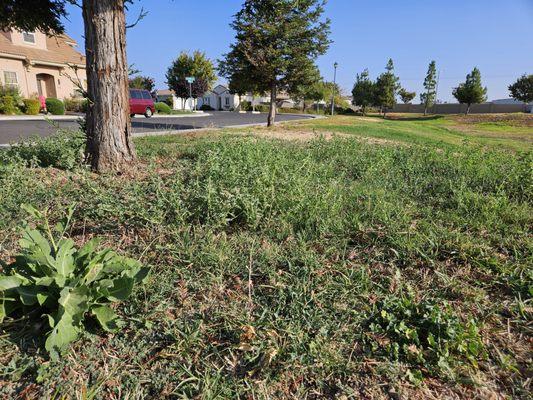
x: 364, y: 91
x: 387, y: 87
x: 31, y: 15
x: 195, y: 65
x: 522, y: 89
x: 406, y: 95
x: 276, y: 44
x: 142, y: 82
x: 471, y: 91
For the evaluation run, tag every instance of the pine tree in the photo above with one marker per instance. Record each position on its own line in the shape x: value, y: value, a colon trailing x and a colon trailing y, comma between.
x: 428, y: 98
x: 406, y: 95
x: 471, y: 91
x: 276, y: 40
x: 387, y: 86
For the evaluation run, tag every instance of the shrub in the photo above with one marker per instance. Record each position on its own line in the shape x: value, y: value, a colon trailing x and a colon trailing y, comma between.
x: 169, y: 101
x: 246, y: 105
x: 63, y: 150
x: 13, y: 91
x: 206, y: 107
x: 78, y: 105
x: 31, y: 106
x: 424, y: 334
x: 65, y: 283
x: 162, y: 108
x: 55, y: 106
x: 7, y: 105
x: 262, y: 108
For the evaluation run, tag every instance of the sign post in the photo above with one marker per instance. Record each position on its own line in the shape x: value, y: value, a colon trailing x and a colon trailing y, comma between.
x: 191, y: 80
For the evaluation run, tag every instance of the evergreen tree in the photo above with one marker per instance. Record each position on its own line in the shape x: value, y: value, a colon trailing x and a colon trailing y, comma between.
x: 276, y: 42
x: 428, y: 98
x: 471, y: 91
x: 387, y: 86
x: 364, y: 91
x: 406, y: 95
x: 522, y: 89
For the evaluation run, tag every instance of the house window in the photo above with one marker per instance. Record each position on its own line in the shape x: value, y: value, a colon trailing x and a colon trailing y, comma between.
x: 207, y: 100
x: 227, y: 101
x: 10, y: 78
x: 28, y: 37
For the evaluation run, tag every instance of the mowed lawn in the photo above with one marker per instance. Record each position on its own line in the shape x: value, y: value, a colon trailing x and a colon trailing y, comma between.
x: 370, y: 258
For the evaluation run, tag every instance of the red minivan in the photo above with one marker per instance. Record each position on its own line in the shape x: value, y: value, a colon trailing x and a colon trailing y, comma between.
x: 141, y: 102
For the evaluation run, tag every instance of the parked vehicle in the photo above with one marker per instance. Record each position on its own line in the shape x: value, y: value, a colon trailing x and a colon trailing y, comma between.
x: 141, y: 102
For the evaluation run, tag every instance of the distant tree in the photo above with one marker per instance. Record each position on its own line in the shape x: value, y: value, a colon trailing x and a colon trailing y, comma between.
x: 522, y: 89
x: 428, y: 98
x: 142, y: 82
x: 275, y: 41
x: 471, y: 91
x: 406, y: 96
x: 196, y: 65
x: 364, y: 91
x: 387, y: 86
x: 305, y: 82
x: 240, y: 86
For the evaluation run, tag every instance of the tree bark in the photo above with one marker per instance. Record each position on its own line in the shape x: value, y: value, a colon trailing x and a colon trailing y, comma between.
x: 109, y: 142
x: 272, y: 111
x: 467, y: 109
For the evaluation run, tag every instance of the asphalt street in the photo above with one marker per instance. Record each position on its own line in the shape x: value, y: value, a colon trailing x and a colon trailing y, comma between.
x: 14, y: 130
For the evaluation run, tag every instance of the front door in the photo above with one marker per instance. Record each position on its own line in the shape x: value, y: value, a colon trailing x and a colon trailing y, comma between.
x: 46, y: 86
x: 219, y: 103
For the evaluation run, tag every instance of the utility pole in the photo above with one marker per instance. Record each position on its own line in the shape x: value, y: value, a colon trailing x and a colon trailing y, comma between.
x: 333, y: 91
x: 436, y: 92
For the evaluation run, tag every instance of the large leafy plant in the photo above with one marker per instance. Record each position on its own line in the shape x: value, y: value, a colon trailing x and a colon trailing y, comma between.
x: 51, y: 278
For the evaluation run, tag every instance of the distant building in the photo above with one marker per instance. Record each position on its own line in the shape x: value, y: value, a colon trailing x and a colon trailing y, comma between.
x: 41, y: 65
x: 219, y: 99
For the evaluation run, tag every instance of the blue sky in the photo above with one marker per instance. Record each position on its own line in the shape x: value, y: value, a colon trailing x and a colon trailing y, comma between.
x: 494, y: 35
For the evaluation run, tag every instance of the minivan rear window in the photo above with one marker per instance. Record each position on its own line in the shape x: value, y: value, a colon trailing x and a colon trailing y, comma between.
x: 146, y: 95
x: 135, y: 94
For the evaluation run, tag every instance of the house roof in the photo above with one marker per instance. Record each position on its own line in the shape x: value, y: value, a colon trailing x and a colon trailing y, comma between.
x: 220, y: 89
x: 58, y: 51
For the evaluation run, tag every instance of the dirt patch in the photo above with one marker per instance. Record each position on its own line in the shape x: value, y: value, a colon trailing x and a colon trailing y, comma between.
x: 301, y: 135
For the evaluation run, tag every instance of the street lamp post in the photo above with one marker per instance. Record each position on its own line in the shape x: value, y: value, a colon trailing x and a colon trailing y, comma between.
x: 333, y: 91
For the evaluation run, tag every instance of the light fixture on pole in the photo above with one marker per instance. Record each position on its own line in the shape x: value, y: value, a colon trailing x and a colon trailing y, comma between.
x: 333, y: 90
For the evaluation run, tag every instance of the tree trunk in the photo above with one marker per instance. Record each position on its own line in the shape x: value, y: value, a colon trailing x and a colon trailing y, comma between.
x: 109, y: 142
x: 467, y: 109
x: 272, y: 111
x: 425, y: 111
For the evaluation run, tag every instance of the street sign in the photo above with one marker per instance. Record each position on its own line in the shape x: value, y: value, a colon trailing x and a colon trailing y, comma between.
x: 190, y: 79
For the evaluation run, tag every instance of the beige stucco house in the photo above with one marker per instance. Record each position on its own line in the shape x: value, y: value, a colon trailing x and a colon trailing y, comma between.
x: 41, y: 65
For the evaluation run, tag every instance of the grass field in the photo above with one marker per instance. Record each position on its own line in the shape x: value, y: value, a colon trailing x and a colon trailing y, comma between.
x: 507, y: 131
x: 366, y: 259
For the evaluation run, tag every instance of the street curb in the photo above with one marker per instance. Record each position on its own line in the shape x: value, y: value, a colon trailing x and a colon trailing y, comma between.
x: 41, y: 118
x: 207, y: 129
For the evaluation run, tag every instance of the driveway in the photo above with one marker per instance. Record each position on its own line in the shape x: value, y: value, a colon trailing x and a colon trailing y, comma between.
x: 13, y: 130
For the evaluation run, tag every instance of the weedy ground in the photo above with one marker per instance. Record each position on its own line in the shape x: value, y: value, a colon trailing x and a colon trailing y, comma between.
x: 372, y: 259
